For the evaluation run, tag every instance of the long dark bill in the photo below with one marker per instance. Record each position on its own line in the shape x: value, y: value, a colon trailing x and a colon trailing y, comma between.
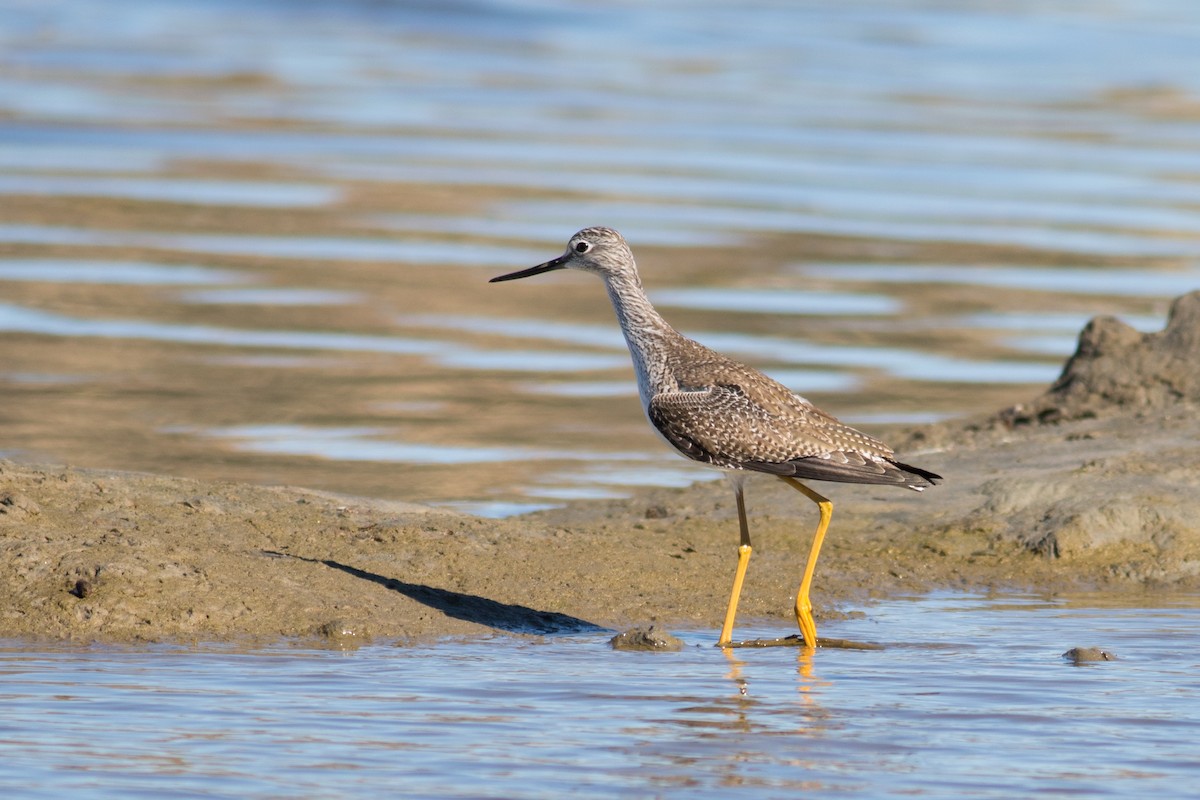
x: 558, y: 263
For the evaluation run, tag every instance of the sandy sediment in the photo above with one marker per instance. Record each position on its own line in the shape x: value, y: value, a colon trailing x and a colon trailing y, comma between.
x: 1094, y: 484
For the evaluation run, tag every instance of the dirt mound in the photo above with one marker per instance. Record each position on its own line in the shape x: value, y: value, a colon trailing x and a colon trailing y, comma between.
x: 1116, y: 369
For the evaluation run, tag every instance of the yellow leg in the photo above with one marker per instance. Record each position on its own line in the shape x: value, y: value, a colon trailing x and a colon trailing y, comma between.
x: 808, y: 627
x: 731, y: 612
x: 743, y: 562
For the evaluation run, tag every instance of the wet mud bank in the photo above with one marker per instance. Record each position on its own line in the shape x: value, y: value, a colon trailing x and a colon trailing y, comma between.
x: 1095, y: 484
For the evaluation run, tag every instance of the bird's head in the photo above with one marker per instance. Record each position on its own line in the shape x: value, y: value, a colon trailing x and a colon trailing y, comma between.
x: 599, y: 250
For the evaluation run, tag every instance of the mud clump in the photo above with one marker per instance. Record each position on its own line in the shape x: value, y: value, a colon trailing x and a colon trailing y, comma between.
x: 1118, y: 369
x: 648, y: 638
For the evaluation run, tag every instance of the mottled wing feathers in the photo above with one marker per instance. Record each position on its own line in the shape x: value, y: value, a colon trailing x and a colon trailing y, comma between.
x: 728, y: 415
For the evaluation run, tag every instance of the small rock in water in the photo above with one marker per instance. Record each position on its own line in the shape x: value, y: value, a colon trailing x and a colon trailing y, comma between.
x: 649, y: 638
x: 343, y: 634
x: 1086, y: 655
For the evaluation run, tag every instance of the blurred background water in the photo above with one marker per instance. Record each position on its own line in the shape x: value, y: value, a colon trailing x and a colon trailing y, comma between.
x: 251, y: 241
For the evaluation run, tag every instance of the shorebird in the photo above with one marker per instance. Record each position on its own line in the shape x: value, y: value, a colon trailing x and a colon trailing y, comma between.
x: 727, y: 415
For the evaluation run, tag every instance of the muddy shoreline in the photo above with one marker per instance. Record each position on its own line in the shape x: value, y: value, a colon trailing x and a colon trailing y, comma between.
x: 1088, y: 486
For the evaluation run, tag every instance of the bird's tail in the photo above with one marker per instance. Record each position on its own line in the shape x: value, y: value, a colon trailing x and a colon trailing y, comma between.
x: 921, y: 478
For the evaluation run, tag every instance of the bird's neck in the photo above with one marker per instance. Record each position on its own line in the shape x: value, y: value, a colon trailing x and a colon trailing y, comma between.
x: 646, y: 332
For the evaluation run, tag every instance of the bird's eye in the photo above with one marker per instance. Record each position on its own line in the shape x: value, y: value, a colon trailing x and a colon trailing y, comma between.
x: 582, y: 247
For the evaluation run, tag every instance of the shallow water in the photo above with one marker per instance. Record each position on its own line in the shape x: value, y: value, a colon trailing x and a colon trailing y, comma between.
x: 215, y: 218
x: 969, y: 698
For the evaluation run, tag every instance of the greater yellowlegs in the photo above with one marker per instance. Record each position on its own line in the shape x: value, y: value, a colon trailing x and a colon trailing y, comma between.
x: 719, y: 412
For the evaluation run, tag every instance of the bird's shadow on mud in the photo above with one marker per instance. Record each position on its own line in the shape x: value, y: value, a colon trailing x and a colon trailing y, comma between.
x: 472, y: 608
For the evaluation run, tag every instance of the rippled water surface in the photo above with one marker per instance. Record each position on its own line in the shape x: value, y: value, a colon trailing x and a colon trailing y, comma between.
x: 970, y: 697
x: 251, y: 242
x: 217, y: 218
